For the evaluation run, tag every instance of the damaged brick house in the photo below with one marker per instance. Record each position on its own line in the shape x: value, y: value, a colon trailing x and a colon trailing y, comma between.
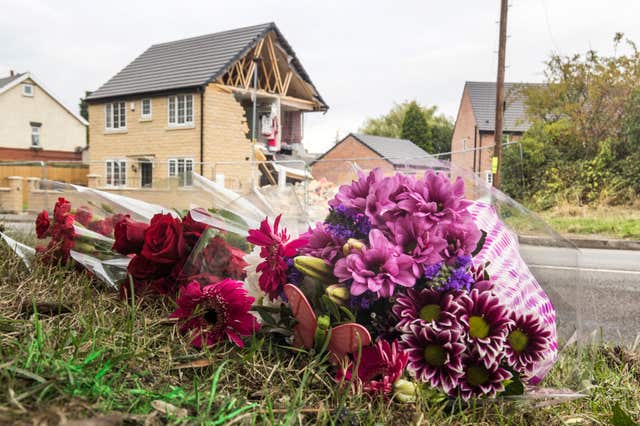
x: 186, y: 106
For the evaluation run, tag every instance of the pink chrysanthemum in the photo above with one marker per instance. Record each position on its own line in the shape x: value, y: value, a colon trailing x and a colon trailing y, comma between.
x: 435, y: 356
x: 275, y: 247
x: 479, y: 379
x: 380, y: 366
x: 215, y: 312
x: 527, y: 342
x: 434, y: 308
x: 378, y: 268
x: 486, y: 322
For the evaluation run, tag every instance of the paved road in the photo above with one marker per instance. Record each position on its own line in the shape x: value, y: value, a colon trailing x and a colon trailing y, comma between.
x: 597, y: 291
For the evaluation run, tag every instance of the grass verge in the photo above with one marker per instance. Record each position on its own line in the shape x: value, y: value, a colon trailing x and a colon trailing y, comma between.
x: 71, y: 350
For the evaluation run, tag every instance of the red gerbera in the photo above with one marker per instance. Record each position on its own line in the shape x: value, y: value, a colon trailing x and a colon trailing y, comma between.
x: 381, y: 365
x: 215, y: 312
x: 275, y: 247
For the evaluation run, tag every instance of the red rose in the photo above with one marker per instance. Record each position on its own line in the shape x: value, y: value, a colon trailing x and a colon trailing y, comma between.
x: 129, y: 236
x: 42, y: 224
x: 193, y: 229
x: 84, y: 215
x: 164, y: 241
x: 143, y: 269
x: 101, y: 226
x: 61, y: 208
x: 236, y: 266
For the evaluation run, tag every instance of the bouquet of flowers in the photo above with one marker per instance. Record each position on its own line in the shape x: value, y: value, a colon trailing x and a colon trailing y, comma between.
x: 405, y: 275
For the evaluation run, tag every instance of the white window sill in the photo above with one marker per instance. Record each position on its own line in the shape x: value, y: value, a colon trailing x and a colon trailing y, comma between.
x: 145, y: 119
x: 181, y: 127
x: 115, y: 131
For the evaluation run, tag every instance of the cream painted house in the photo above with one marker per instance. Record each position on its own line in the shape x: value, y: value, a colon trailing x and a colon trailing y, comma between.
x: 186, y: 106
x: 35, y: 125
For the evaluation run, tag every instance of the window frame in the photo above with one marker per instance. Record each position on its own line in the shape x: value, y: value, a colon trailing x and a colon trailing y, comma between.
x: 186, y: 180
x: 115, y: 111
x: 149, y: 115
x: 38, y: 133
x: 24, y: 92
x: 180, y: 103
x: 122, y: 173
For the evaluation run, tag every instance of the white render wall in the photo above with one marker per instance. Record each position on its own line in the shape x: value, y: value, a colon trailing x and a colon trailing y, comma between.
x: 60, y: 130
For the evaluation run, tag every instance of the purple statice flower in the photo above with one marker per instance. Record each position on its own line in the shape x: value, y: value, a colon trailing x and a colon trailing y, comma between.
x: 418, y: 239
x: 355, y: 194
x: 364, y: 301
x: 340, y: 231
x: 462, y: 238
x: 464, y: 261
x: 323, y: 243
x: 435, y: 197
x: 347, y: 223
x: 432, y: 271
x: 378, y: 268
x: 459, y: 279
x: 293, y: 275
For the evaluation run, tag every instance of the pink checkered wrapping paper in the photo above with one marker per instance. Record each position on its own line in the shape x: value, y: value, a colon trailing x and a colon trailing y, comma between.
x: 512, y: 280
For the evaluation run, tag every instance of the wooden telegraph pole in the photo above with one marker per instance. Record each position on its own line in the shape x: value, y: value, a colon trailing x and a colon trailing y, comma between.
x: 496, y: 163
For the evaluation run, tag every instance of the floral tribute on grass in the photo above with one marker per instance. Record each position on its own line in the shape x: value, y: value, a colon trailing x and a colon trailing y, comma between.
x: 197, y: 265
x: 395, y: 286
x: 405, y: 284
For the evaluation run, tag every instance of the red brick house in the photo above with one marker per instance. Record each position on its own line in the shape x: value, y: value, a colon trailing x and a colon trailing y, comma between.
x: 474, y: 132
x: 360, y: 151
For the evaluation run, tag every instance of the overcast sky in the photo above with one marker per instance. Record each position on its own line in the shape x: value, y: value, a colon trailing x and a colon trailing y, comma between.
x: 362, y: 55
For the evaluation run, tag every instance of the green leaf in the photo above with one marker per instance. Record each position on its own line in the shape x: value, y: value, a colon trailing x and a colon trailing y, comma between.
x: 480, y: 243
x: 513, y: 386
x: 621, y: 417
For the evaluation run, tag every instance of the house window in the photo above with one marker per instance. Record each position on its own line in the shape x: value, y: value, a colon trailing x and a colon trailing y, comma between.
x: 116, y: 172
x: 115, y: 116
x: 35, y: 134
x: 180, y: 110
x: 27, y: 89
x: 145, y: 109
x: 464, y: 144
x: 183, y: 168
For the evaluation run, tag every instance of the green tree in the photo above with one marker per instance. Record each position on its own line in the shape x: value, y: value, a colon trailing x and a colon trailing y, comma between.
x: 584, y: 142
x: 415, y: 128
x: 440, y: 128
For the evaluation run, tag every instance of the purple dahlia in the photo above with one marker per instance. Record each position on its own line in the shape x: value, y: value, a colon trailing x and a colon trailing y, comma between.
x: 486, y: 322
x: 378, y: 268
x: 435, y: 309
x: 435, y: 356
x: 527, y: 342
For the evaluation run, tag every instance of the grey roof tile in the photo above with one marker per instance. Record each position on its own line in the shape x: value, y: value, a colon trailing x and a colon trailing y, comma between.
x: 483, y: 102
x: 190, y: 62
x: 6, y: 80
x: 399, y: 152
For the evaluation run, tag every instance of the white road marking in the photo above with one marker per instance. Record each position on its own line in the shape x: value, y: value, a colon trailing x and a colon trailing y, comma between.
x: 574, y: 268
